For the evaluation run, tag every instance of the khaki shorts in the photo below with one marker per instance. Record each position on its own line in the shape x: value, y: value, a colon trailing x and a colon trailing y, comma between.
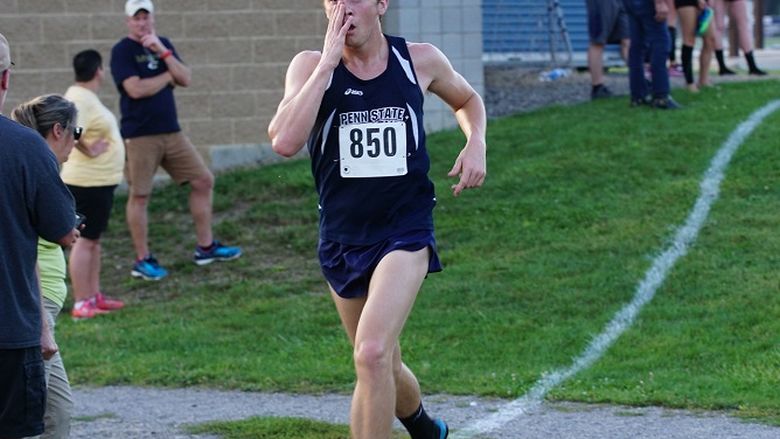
x: 173, y: 152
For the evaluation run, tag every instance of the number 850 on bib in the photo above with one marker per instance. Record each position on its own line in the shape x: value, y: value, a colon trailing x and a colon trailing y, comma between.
x: 376, y: 149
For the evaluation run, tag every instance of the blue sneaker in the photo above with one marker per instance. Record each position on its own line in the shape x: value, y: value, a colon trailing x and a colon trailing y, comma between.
x: 218, y: 252
x: 444, y: 431
x: 148, y: 269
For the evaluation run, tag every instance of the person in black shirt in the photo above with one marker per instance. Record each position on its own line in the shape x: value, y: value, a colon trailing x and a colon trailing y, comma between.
x: 33, y: 202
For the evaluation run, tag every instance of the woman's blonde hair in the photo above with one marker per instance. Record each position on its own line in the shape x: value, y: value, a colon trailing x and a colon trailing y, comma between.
x: 43, y: 112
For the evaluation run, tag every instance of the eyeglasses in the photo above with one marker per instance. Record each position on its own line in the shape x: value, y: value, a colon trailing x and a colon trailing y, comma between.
x: 77, y: 132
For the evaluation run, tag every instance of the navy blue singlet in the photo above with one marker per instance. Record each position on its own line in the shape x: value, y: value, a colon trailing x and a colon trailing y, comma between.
x: 368, y: 154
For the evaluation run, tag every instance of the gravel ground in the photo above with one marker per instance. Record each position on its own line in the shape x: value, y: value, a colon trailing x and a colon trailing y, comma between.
x: 137, y: 413
x: 145, y: 413
x: 512, y: 89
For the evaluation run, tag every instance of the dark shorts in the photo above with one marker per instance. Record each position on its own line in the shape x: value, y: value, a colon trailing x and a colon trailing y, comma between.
x: 683, y: 3
x: 607, y: 21
x: 22, y: 392
x: 348, y: 268
x: 95, y: 204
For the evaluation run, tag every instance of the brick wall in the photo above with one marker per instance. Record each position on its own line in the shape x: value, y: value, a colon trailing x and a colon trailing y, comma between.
x: 238, y: 50
x: 455, y: 27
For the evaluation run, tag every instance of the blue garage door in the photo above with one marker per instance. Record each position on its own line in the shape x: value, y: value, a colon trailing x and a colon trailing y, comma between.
x: 528, y: 30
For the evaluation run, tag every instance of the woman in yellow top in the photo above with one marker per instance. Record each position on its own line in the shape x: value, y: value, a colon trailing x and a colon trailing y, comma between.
x: 54, y: 118
x: 92, y: 172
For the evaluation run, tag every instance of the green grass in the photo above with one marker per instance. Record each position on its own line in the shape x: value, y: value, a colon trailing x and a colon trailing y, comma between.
x: 577, y: 203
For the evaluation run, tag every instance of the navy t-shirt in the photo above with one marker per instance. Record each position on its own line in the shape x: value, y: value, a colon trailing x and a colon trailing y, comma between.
x: 33, y: 202
x: 146, y: 116
x: 368, y: 154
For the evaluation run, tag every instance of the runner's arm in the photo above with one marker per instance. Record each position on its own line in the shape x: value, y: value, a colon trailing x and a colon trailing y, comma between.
x: 305, y: 85
x: 437, y: 75
x: 307, y: 79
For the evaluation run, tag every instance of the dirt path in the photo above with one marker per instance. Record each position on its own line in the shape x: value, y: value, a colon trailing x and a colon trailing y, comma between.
x: 132, y: 412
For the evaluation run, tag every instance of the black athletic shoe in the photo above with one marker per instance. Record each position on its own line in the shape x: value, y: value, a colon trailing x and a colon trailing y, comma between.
x: 726, y: 72
x: 641, y: 102
x: 600, y: 92
x: 757, y: 72
x: 665, y: 103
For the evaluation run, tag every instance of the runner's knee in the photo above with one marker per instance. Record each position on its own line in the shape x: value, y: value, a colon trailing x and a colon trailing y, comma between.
x: 373, y: 357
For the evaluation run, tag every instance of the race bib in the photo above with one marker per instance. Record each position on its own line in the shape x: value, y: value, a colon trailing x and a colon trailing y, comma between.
x: 374, y: 149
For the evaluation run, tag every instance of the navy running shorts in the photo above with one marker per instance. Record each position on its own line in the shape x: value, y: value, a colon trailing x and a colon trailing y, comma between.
x: 22, y: 392
x: 348, y: 268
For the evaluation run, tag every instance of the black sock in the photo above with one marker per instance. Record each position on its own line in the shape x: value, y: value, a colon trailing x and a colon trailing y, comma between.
x: 719, y: 57
x: 724, y: 70
x: 673, y: 35
x: 207, y: 248
x: 420, y: 425
x: 687, y: 62
x: 750, y: 60
x: 752, y: 64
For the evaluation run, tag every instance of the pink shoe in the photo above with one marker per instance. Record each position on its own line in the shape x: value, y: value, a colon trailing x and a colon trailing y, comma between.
x: 108, y: 304
x: 675, y: 71
x: 86, y: 309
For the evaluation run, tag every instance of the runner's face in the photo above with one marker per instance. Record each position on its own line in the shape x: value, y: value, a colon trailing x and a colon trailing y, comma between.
x: 365, y: 17
x: 140, y: 24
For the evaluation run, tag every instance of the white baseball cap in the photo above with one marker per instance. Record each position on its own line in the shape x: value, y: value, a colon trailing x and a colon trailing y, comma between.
x: 133, y: 6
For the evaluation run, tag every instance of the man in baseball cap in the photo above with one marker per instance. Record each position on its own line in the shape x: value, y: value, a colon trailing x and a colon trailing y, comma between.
x: 133, y: 6
x: 146, y: 68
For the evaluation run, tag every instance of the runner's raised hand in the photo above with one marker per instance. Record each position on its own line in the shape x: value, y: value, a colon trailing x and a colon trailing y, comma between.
x: 335, y: 36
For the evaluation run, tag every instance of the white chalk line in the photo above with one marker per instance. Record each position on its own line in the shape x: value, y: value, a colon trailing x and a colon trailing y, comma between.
x: 646, y: 289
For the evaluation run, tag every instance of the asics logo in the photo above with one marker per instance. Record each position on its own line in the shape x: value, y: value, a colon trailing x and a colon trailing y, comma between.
x: 350, y: 91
